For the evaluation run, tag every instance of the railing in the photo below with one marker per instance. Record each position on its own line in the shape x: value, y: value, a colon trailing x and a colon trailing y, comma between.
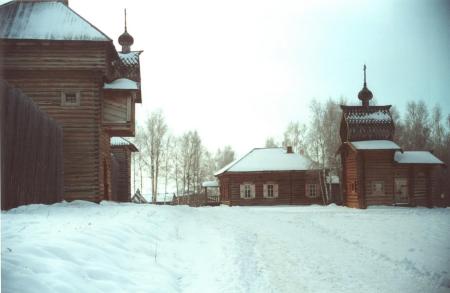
x: 196, y: 200
x: 31, y: 152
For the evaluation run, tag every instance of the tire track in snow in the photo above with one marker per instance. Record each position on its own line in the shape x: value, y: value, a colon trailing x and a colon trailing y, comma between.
x: 431, y: 279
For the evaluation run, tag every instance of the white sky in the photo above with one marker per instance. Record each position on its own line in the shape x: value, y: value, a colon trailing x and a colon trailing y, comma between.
x: 239, y: 71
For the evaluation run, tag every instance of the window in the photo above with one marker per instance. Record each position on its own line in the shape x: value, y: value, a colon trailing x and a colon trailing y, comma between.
x: 70, y: 98
x: 377, y: 187
x: 247, y: 191
x: 270, y: 190
x: 351, y: 187
x: 312, y: 190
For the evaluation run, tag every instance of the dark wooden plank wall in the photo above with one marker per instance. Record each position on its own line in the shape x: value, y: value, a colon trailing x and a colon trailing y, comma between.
x: 32, y: 152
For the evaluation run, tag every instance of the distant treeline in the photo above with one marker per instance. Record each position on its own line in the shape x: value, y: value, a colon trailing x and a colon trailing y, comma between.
x: 182, y: 161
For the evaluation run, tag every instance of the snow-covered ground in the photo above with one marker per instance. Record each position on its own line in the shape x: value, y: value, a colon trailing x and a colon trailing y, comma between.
x: 85, y: 247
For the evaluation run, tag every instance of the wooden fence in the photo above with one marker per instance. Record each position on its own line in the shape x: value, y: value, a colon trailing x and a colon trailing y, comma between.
x: 196, y: 200
x: 31, y: 152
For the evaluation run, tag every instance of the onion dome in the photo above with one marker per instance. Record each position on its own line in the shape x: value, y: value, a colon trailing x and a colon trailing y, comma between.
x: 365, y: 95
x: 125, y: 39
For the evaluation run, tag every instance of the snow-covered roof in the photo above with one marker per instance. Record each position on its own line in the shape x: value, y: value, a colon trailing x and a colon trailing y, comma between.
x: 333, y: 179
x: 121, y: 84
x: 120, y: 141
x: 377, y: 116
x: 416, y: 157
x: 213, y: 183
x: 375, y: 145
x: 46, y: 20
x: 268, y: 159
x: 131, y: 58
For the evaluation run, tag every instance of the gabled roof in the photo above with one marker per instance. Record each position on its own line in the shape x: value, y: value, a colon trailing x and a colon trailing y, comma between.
x: 366, y: 123
x: 417, y: 157
x: 122, y: 84
x: 120, y: 141
x: 268, y: 159
x: 375, y: 145
x: 47, y: 20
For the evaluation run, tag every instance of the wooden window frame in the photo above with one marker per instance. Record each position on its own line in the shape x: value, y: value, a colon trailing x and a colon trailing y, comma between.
x: 270, y: 190
x: 308, y: 190
x: 64, y: 102
x: 373, y: 191
x: 247, y: 190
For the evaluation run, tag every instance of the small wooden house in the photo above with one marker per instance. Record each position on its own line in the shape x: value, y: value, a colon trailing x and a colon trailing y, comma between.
x: 375, y: 170
x: 73, y: 72
x: 121, y: 149
x: 270, y: 176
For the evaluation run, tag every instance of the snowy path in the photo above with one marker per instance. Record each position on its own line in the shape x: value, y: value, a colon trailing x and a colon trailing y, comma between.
x: 81, y: 247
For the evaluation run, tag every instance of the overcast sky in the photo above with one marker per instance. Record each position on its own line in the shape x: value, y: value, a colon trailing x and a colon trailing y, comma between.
x: 239, y: 71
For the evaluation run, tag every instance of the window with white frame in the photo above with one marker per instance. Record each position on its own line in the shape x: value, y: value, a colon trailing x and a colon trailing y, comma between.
x: 70, y: 98
x: 312, y: 190
x: 270, y: 190
x: 377, y: 187
x: 247, y: 190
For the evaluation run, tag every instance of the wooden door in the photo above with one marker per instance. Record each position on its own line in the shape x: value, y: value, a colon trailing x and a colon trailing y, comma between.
x: 401, y: 195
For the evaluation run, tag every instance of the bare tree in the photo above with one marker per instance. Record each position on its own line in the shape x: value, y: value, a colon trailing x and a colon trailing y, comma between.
x: 323, y: 140
x: 416, y: 126
x: 224, y: 157
x: 270, y: 143
x: 155, y: 131
x: 141, y: 158
x: 166, y: 155
x: 295, y: 136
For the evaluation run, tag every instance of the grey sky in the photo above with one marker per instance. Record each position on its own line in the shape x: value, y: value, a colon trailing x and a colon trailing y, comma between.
x: 238, y: 71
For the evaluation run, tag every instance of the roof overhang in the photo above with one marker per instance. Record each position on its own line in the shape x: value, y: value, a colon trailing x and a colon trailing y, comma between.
x: 122, y: 84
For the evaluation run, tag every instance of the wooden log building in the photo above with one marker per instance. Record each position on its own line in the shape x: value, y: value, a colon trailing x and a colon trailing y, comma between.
x: 375, y: 170
x: 73, y: 72
x: 121, y: 149
x: 270, y: 176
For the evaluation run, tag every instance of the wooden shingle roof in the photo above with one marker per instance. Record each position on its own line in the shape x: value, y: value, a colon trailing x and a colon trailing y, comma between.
x: 366, y: 123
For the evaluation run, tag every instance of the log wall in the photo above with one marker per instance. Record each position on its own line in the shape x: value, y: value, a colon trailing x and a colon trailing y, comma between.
x: 350, y: 178
x: 379, y: 167
x: 123, y: 157
x: 291, y: 188
x: 81, y: 125
x: 45, y: 55
x: 44, y: 71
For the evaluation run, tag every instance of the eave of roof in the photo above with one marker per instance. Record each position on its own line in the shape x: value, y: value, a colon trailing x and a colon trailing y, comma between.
x: 121, y: 142
x: 47, y: 20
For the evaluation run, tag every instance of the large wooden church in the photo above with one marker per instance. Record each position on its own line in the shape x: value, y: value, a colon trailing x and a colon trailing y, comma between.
x: 375, y: 170
x: 73, y: 72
